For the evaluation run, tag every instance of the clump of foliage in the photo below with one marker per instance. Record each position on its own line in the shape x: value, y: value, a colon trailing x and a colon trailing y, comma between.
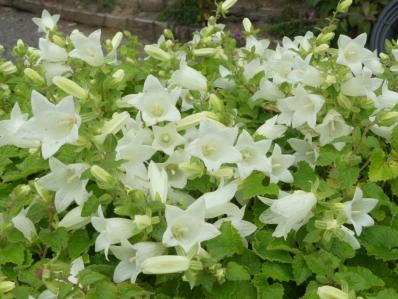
x: 188, y: 12
x: 198, y: 170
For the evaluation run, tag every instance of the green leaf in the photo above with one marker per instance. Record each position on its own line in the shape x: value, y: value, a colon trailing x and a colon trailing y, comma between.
x: 381, y: 241
x: 301, y: 272
x: 12, y: 253
x: 31, y: 165
x: 380, y: 169
x: 103, y: 290
x: 227, y: 244
x: 388, y: 293
x: 394, y: 137
x: 126, y: 290
x: 90, y: 206
x: 233, y: 289
x: 267, y: 291
x: 79, y: 243
x: 235, y: 272
x: 317, y: 262
x: 56, y: 240
x: 304, y: 177
x: 327, y: 156
x: 347, y: 176
x: 254, y: 186
x: 277, y: 271
x: 88, y: 277
x: 261, y: 243
x: 359, y: 278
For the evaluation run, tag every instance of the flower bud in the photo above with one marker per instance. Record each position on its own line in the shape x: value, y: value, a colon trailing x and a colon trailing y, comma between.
x: 70, y: 87
x: 344, y: 6
x: 59, y: 41
x: 226, y: 5
x: 224, y: 172
x: 168, y: 34
x: 326, y: 225
x: 73, y: 219
x: 118, y: 76
x: 8, y: 68
x: 387, y: 118
x: 344, y: 101
x: 142, y: 221
x: 34, y: 76
x: 43, y: 192
x: 194, y: 119
x: 247, y: 24
x: 165, y: 264
x: 104, y: 179
x: 321, y: 48
x: 384, y: 56
x: 118, y: 121
x: 196, y: 265
x: 216, y: 103
x: 116, y: 40
x: 20, y: 46
x: 22, y: 191
x: 325, y: 37
x: 6, y: 286
x: 205, y: 52
x: 328, y: 292
x: 157, y: 53
x: 193, y: 169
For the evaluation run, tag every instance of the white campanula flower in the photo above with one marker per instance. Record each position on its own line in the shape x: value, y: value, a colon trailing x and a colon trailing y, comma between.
x: 253, y: 155
x: 382, y: 131
x: 215, y: 145
x: 305, y: 150
x: 73, y: 219
x: 218, y: 201
x: 388, y: 99
x: 187, y: 228
x: 89, y: 48
x: 47, y: 21
x: 47, y: 294
x: 156, y: 103
x: 54, y: 125
x: 165, y: 264
x: 51, y: 52
x: 65, y: 181
x: 300, y: 109
x: 131, y: 258
x: 135, y: 176
x: 177, y: 178
x: 271, y: 130
x: 289, y: 211
x: 114, y: 125
x: 304, y: 73
x: 12, y: 130
x: 166, y: 138
x: 363, y: 84
x: 189, y: 78
x: 280, y: 166
x: 268, y: 91
x: 253, y: 68
x: 224, y: 82
x: 260, y: 46
x: 349, y: 237
x: 333, y: 126
x: 158, y: 182
x: 329, y: 292
x: 22, y: 223
x: 112, y: 231
x: 76, y: 266
x: 135, y: 146
x: 357, y: 211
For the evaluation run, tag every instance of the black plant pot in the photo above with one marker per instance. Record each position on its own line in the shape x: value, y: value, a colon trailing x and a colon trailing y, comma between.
x: 385, y: 28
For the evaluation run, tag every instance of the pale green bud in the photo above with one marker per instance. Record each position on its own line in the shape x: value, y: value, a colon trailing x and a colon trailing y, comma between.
x: 142, y: 221
x: 6, y: 286
x: 344, y: 6
x: 196, y: 265
x: 325, y: 37
x: 104, y: 178
x: 384, y: 56
x: 70, y: 87
x: 118, y: 76
x: 247, y: 24
x: 43, y: 192
x: 194, y: 119
x: 224, y: 172
x: 34, y: 76
x: 326, y: 225
x: 328, y: 292
x: 157, y: 53
x: 8, y: 68
x: 193, y: 169
x: 168, y: 34
x: 34, y: 53
x: 59, y: 41
x: 226, y: 5
x: 205, y: 52
x: 321, y: 48
x: 216, y: 103
x: 165, y: 264
x: 387, y: 118
x: 344, y: 101
x: 116, y: 40
x: 20, y: 45
x: 22, y: 190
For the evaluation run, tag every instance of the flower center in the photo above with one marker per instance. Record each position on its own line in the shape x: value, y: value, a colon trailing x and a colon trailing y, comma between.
x: 157, y: 110
x: 165, y: 138
x: 246, y: 154
x: 207, y: 150
x: 172, y: 169
x: 179, y: 231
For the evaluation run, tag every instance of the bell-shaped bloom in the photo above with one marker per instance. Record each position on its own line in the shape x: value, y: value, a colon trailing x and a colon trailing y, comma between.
x: 224, y: 82
x: 357, y: 211
x: 156, y: 103
x: 112, y: 231
x: 328, y: 292
x: 333, y: 126
x: 53, y: 125
x: 22, y: 223
x: 289, y: 211
x: 47, y: 21
x: 53, y: 59
x: 363, y: 84
x: 65, y: 181
x: 388, y: 99
x: 349, y: 237
x: 300, y: 109
x: 131, y: 258
x: 73, y: 219
x: 271, y: 130
x: 218, y: 201
x: 305, y: 150
x: 158, y: 179
x: 305, y: 73
x: 215, y: 145
x: 89, y: 48
x: 189, y: 78
x: 260, y: 46
x: 134, y: 176
x: 135, y: 146
x: 166, y: 138
x: 280, y: 166
x: 47, y: 294
x: 113, y: 126
x: 76, y: 266
x: 253, y: 155
x: 187, y: 228
x: 268, y: 91
x: 177, y: 178
x: 165, y: 264
x: 12, y: 130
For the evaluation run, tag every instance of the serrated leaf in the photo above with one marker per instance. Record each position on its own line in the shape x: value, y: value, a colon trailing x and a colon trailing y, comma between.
x: 388, y: 293
x: 233, y: 289
x: 266, y: 290
x: 236, y: 272
x: 301, y: 272
x: 12, y: 253
x: 79, y: 243
x: 103, y: 290
x: 380, y: 169
x: 277, y: 271
x: 359, y: 278
x: 56, y: 240
x: 304, y: 177
x: 327, y: 156
x: 261, y: 244
x: 347, y: 176
x: 394, y: 137
x: 316, y: 262
x: 381, y: 242
x: 88, y: 277
x: 227, y: 244
x: 31, y: 165
x: 254, y: 186
x: 126, y: 290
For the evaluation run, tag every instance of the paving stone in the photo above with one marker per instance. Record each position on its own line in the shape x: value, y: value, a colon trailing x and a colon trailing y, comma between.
x: 151, y: 5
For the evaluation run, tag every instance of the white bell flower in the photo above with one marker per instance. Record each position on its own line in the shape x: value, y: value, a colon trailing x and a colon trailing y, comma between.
x: 188, y: 228
x: 22, y: 223
x: 218, y: 202
x: 73, y: 219
x: 349, y: 237
x: 156, y: 103
x: 271, y: 130
x: 135, y: 146
x: 165, y: 264
x: 253, y: 68
x: 305, y: 150
x: 65, y: 181
x: 382, y: 131
x: 54, y: 125
x: 280, y: 166
x: 158, y: 182
x: 388, y: 99
x: 363, y: 84
x: 131, y: 258
x: 46, y: 22
x: 177, y: 178
x: 166, y: 138
x: 189, y: 78
x: 224, y: 82
x: 300, y: 109
x: 11, y: 130
x: 215, y: 145
x: 47, y: 294
x: 51, y: 52
x: 89, y: 48
x: 304, y: 73
x: 76, y: 266
x: 253, y: 155
x: 333, y: 126
x: 260, y: 46
x: 329, y: 292
x: 268, y: 91
x: 289, y: 211
x: 135, y: 176
x: 112, y: 231
x: 357, y: 211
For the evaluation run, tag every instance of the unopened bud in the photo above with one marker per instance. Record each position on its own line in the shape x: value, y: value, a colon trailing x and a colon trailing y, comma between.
x: 59, y: 41
x: 326, y: 225
x: 387, y: 118
x: 34, y: 76
x: 344, y: 101
x: 43, y: 192
x: 194, y: 119
x: 104, y: 179
x: 118, y: 76
x: 157, y: 53
x: 344, y: 6
x: 325, y: 37
x: 70, y: 87
x: 384, y: 56
x: 247, y: 24
x: 192, y: 168
x: 216, y: 103
x: 328, y: 292
x: 168, y: 34
x: 6, y: 286
x: 116, y: 40
x: 226, y: 5
x: 142, y: 221
x: 165, y: 264
x: 205, y: 52
x: 7, y: 68
x: 321, y: 48
x: 224, y: 172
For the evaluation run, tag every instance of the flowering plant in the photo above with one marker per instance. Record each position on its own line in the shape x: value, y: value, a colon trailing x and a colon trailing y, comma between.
x: 198, y: 170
